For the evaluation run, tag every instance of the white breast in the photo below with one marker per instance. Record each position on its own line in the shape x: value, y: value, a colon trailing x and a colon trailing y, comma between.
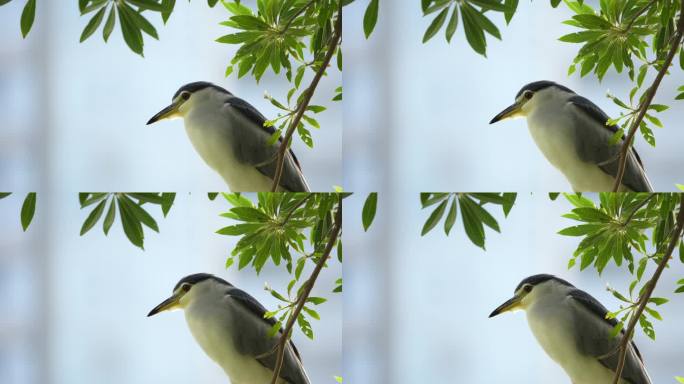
x: 546, y: 325
x: 211, y: 137
x: 213, y: 336
x: 554, y: 136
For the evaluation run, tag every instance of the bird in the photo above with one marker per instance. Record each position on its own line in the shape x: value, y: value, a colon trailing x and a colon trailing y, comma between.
x: 574, y: 135
x: 232, y: 138
x: 572, y: 328
x: 229, y: 325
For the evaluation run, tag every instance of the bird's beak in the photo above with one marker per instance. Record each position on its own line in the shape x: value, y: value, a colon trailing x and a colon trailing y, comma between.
x: 512, y: 304
x: 509, y: 112
x: 166, y: 113
x: 170, y: 303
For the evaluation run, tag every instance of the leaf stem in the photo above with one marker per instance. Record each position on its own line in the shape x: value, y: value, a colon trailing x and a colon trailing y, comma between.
x: 650, y: 94
x: 308, y: 286
x: 308, y: 94
x: 650, y: 286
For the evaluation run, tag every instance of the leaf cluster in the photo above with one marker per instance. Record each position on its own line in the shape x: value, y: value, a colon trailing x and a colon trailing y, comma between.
x: 619, y: 32
x: 289, y: 228
x: 473, y: 17
x: 632, y: 229
x: 474, y: 216
x: 131, y: 211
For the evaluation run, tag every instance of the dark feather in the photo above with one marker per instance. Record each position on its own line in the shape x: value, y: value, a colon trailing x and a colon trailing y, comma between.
x: 539, y: 85
x: 632, y: 371
x: 291, y: 370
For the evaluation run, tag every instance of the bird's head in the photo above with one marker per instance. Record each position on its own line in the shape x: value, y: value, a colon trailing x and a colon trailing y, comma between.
x: 186, y: 290
x: 529, y: 97
x: 531, y: 290
x: 186, y: 97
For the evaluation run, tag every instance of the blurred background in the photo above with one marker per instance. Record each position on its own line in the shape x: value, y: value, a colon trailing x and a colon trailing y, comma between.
x: 417, y: 115
x: 73, y: 115
x: 74, y: 308
x: 416, y: 307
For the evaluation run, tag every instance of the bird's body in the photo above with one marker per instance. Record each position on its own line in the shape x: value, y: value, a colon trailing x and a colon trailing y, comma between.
x: 552, y: 131
x: 230, y: 136
x: 571, y: 327
x: 230, y: 327
x: 213, y: 136
x: 573, y: 134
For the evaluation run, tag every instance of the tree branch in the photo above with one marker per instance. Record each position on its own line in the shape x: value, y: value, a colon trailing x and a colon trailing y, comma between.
x: 308, y: 286
x: 650, y: 94
x: 650, y: 286
x: 308, y: 94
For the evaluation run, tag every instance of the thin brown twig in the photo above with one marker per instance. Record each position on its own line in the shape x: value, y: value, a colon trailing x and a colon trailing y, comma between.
x: 650, y: 94
x: 308, y: 94
x: 308, y: 286
x: 641, y: 12
x: 646, y: 295
x: 637, y: 208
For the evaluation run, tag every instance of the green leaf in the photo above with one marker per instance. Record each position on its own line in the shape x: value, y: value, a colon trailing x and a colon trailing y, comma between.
x: 434, y: 218
x: 109, y: 24
x: 436, y: 25
x: 94, y: 22
x: 471, y: 221
x: 370, y: 18
x: 451, y: 217
x: 27, y: 17
x: 4, y: 194
x: 28, y: 209
x: 451, y: 26
x: 369, y: 208
x: 131, y: 226
x: 474, y: 34
x: 93, y: 217
x: 131, y: 34
x: 109, y: 217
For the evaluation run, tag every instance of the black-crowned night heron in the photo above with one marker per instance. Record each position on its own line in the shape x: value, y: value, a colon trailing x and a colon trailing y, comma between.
x: 229, y: 134
x: 572, y: 328
x: 230, y: 327
x: 573, y: 134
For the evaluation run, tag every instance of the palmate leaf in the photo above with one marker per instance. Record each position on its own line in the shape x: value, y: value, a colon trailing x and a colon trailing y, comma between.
x: 474, y: 21
x: 474, y: 216
x: 131, y: 212
x: 132, y: 21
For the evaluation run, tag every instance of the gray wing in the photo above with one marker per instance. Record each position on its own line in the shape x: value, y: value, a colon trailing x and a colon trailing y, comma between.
x: 256, y: 151
x: 255, y: 341
x: 596, y: 341
x: 593, y: 146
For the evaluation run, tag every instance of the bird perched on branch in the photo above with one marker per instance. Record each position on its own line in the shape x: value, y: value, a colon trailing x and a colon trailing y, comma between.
x: 230, y: 136
x: 230, y: 327
x: 574, y: 136
x: 572, y: 328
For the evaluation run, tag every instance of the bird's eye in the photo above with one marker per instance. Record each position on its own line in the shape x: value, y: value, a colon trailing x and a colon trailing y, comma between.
x: 527, y: 288
x: 528, y: 94
x: 185, y: 287
x: 185, y: 95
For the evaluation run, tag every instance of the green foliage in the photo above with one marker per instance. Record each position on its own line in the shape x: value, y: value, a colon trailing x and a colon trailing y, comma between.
x: 28, y: 209
x: 369, y: 208
x: 473, y: 18
x: 130, y: 207
x: 291, y: 36
x: 632, y: 229
x: 370, y: 18
x: 473, y: 214
x: 618, y: 33
x: 295, y: 229
x: 28, y: 15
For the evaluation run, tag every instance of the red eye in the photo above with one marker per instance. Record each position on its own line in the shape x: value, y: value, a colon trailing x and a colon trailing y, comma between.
x: 528, y: 94
x: 527, y: 288
x: 185, y: 287
x: 185, y: 95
